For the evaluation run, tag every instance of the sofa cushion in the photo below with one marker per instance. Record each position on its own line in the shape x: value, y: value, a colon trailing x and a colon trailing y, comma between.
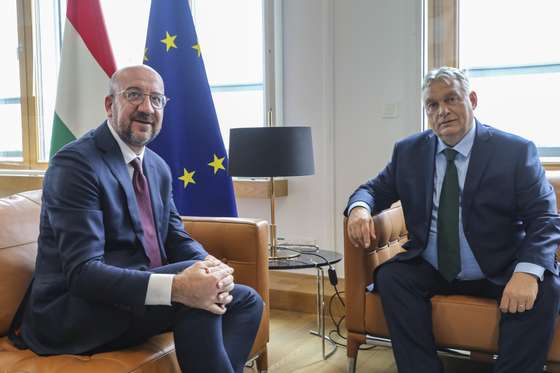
x: 19, y: 229
x: 154, y: 356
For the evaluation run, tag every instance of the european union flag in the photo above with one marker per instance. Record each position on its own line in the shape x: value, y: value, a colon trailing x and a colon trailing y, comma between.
x: 190, y: 140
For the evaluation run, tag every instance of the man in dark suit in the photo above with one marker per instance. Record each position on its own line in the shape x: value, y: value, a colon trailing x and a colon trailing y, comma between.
x: 482, y: 220
x: 114, y: 264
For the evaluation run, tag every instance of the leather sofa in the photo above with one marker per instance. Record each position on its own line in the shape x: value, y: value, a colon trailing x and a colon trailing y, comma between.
x: 242, y: 243
x: 464, y: 326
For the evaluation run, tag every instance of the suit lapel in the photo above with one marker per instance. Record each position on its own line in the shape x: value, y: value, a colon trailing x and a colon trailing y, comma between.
x: 481, y: 154
x: 428, y: 155
x: 114, y: 159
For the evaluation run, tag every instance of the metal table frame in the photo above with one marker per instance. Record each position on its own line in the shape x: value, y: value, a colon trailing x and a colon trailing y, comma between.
x: 310, y: 259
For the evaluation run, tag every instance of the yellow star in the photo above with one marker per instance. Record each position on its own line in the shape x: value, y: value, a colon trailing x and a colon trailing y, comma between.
x: 187, y: 178
x: 145, y: 54
x: 169, y: 41
x: 217, y: 163
x: 197, y: 48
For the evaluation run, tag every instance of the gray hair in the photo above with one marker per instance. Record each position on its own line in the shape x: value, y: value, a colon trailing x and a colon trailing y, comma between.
x: 447, y: 74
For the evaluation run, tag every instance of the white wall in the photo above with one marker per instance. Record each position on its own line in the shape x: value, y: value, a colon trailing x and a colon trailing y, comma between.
x: 344, y: 61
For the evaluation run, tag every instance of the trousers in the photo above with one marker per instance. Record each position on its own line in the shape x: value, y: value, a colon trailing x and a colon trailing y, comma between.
x: 406, y: 288
x: 204, y: 342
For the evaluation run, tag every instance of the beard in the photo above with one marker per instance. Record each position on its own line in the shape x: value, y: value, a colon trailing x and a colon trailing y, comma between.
x: 124, y: 129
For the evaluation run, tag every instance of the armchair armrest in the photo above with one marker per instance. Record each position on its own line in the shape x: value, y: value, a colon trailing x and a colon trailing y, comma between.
x: 241, y: 243
x: 360, y: 263
x: 355, y: 282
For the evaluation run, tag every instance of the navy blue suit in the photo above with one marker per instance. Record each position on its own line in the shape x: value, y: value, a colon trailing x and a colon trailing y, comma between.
x: 509, y: 216
x: 89, y: 216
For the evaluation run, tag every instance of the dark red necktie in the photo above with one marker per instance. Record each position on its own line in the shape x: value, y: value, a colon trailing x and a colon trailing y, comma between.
x: 144, y: 202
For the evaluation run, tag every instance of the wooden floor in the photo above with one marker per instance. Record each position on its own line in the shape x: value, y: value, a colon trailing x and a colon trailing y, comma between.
x: 292, y: 349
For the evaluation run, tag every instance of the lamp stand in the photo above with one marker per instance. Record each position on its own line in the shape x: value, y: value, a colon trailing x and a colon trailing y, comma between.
x: 276, y: 252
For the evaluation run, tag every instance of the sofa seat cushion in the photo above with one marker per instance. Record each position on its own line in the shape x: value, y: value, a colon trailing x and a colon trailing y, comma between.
x: 156, y: 355
x: 460, y: 321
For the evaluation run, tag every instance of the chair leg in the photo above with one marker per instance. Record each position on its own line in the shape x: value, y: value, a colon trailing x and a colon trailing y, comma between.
x: 262, y: 361
x: 352, y: 346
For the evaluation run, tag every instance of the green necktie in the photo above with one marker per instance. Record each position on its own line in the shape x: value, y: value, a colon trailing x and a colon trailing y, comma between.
x: 449, y: 258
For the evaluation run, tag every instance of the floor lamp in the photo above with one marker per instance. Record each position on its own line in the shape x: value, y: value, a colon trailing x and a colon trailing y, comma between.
x: 271, y: 152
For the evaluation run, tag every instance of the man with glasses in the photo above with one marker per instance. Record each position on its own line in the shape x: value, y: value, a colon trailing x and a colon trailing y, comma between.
x: 481, y: 220
x: 114, y: 264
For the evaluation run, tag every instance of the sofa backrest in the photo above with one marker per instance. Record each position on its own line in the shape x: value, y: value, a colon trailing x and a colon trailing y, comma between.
x: 19, y: 229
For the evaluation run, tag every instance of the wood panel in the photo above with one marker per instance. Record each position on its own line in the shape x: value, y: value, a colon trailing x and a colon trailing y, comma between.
x: 10, y: 184
x: 251, y: 188
x: 14, y: 184
x: 298, y: 292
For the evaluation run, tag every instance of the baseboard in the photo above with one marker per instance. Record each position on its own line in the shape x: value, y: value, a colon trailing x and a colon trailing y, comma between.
x: 298, y: 292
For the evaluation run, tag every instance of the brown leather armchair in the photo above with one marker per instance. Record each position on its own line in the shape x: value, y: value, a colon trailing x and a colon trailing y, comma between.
x: 242, y: 243
x: 463, y: 325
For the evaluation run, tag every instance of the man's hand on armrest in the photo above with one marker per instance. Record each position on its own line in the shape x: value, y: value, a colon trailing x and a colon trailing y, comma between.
x: 360, y: 227
x: 205, y: 285
x: 519, y: 293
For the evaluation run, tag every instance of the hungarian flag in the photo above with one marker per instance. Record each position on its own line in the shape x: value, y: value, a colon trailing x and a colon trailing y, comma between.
x: 86, y: 66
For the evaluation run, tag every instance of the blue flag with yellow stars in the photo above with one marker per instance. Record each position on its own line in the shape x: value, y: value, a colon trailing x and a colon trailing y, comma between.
x: 190, y: 140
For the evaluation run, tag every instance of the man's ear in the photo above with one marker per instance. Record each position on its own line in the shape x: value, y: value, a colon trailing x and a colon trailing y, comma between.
x: 109, y: 106
x: 473, y: 99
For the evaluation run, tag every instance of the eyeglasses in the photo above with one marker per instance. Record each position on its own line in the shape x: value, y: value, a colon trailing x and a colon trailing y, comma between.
x: 135, y: 96
x: 450, y: 101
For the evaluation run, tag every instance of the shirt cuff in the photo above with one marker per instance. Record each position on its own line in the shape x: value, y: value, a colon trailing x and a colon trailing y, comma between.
x: 359, y: 204
x: 533, y: 269
x: 159, y: 289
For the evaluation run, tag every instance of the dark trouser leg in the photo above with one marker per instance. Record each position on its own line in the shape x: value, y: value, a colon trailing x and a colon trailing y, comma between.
x: 525, y: 337
x: 240, y: 324
x: 210, y: 343
x: 203, y: 340
x: 406, y: 289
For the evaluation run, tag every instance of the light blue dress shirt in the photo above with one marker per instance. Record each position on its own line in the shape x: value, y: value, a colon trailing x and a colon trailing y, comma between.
x: 470, y: 270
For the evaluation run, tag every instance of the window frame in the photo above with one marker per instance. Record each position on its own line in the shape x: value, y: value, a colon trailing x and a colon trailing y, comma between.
x: 27, y: 99
x: 442, y: 49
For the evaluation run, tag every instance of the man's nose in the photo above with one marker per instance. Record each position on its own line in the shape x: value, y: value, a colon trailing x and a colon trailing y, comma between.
x: 443, y: 110
x: 146, y: 105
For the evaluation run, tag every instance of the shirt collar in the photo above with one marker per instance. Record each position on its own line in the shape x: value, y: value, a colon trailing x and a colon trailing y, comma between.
x: 464, y: 146
x: 127, y: 152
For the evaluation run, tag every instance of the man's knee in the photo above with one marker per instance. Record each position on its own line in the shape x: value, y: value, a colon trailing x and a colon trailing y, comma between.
x: 388, y: 277
x: 245, y: 296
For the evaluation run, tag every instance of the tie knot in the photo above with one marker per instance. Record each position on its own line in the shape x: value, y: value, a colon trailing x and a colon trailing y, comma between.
x: 135, y: 163
x: 450, y: 154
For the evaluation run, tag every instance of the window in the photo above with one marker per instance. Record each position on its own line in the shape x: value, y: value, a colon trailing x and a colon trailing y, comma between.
x: 509, y: 49
x: 233, y: 36
x: 49, y: 21
x: 29, y: 70
x: 11, y: 144
x: 234, y: 59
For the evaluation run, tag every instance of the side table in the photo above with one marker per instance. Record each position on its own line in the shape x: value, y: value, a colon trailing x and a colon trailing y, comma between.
x: 311, y: 258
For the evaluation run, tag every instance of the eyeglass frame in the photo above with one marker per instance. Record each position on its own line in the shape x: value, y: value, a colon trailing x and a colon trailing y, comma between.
x: 451, y: 100
x: 150, y: 95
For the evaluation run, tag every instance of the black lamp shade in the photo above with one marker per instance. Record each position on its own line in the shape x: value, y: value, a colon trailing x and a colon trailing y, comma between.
x: 270, y: 151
